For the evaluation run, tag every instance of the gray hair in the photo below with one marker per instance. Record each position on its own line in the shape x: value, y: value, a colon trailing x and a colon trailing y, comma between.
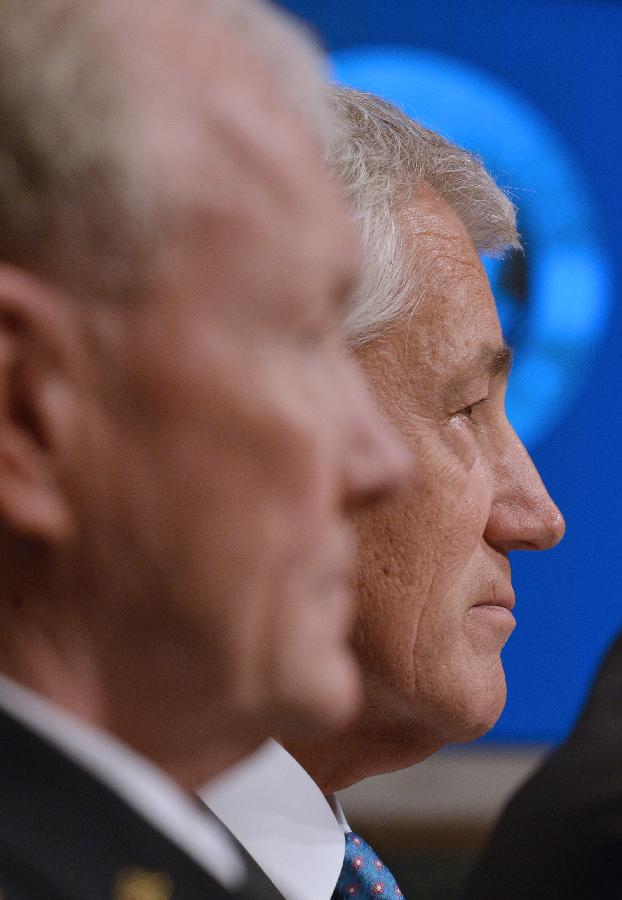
x: 380, y: 156
x: 84, y: 198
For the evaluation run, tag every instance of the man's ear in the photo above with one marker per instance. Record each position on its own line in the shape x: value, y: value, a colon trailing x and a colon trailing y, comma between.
x: 35, y: 406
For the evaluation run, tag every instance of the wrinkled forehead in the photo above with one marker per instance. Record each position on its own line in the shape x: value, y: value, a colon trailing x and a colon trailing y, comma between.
x: 436, y: 243
x: 453, y: 307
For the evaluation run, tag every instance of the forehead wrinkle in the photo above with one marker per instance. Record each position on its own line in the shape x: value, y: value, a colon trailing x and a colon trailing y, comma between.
x: 448, y: 270
x: 441, y: 257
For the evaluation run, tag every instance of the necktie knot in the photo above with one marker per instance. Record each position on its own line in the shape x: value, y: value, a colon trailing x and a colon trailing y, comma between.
x: 363, y: 874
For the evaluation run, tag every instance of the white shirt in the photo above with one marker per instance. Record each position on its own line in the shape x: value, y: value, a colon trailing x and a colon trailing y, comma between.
x: 280, y: 816
x: 143, y: 786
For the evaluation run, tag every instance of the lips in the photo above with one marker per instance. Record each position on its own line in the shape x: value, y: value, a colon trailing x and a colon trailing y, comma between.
x: 493, y: 618
x: 503, y: 598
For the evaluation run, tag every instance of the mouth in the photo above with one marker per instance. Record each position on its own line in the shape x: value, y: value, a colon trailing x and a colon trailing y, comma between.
x: 493, y: 615
x: 499, y: 593
x: 498, y: 601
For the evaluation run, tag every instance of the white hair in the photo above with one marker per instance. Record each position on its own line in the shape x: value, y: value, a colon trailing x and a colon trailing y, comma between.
x: 82, y: 201
x: 380, y: 156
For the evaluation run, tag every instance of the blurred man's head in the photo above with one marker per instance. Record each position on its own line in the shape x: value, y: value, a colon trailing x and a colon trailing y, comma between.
x: 435, y: 594
x: 182, y: 434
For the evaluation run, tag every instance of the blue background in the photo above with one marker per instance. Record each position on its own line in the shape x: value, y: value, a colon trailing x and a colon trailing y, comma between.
x: 564, y: 59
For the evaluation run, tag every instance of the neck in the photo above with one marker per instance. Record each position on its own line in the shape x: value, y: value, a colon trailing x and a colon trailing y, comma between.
x: 46, y: 646
x: 363, y: 750
x: 193, y: 740
x: 54, y: 647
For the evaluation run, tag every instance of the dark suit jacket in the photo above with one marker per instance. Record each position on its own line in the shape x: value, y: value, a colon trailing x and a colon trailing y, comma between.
x: 65, y: 836
x: 561, y: 834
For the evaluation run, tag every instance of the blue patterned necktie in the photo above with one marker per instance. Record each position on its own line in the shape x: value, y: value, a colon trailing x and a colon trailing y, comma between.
x: 363, y: 875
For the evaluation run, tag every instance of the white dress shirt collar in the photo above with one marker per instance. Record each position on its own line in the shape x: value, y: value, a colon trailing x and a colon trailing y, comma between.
x: 338, y: 813
x: 280, y: 816
x: 144, y: 787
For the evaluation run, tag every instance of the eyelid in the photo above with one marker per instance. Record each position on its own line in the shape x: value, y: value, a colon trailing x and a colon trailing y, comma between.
x: 474, y: 405
x: 470, y: 406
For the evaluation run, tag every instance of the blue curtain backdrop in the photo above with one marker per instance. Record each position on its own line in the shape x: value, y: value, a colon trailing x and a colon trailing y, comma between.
x: 535, y: 87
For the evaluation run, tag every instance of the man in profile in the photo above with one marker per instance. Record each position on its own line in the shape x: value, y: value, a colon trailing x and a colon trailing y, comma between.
x: 181, y: 434
x: 435, y: 598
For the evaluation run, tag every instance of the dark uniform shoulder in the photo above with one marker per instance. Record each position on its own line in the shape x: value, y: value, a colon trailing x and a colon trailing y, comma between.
x: 65, y: 836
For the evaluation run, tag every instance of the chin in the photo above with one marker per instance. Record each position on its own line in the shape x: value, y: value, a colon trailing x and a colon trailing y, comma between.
x: 482, y: 707
x: 465, y: 699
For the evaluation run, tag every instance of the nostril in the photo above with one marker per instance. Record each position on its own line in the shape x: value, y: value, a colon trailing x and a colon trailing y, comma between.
x: 533, y: 526
x: 547, y: 533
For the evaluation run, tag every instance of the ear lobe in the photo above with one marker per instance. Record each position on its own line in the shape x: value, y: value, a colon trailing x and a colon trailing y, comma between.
x: 33, y: 504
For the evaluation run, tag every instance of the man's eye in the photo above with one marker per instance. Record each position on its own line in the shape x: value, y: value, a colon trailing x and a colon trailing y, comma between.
x: 468, y: 412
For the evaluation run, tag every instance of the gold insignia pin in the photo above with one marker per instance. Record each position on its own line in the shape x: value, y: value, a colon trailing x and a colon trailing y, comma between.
x: 139, y: 884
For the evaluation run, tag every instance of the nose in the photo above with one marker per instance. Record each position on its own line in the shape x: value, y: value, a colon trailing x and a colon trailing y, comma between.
x: 523, y: 516
x: 376, y: 461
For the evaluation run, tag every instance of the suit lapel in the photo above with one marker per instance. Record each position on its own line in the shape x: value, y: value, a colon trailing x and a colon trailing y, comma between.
x: 65, y: 834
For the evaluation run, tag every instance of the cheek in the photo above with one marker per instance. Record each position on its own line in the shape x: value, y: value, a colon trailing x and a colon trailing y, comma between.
x: 414, y: 552
x: 463, y: 514
x: 393, y: 562
x: 384, y: 636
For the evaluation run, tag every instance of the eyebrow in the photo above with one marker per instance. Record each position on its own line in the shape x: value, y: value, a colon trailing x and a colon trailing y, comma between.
x: 491, y: 360
x: 495, y: 360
